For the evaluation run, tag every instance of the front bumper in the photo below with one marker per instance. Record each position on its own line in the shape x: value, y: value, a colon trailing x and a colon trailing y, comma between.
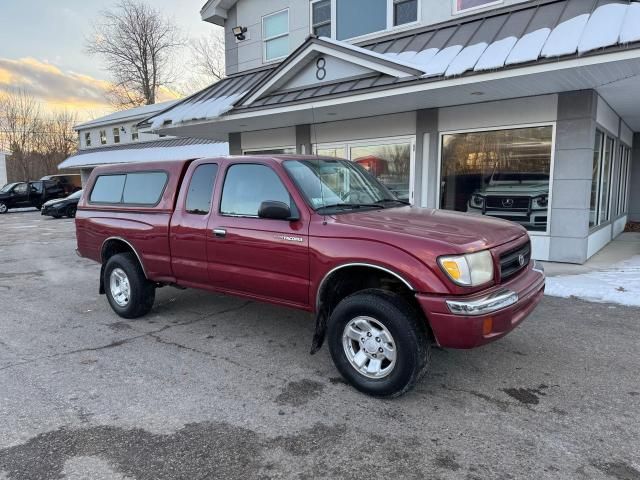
x: 51, y: 210
x: 471, y: 321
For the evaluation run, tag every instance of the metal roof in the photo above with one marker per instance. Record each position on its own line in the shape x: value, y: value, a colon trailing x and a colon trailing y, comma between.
x: 130, y: 114
x: 510, y: 37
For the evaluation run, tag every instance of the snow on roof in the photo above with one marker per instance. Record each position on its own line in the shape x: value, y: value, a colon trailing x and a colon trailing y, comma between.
x: 131, y: 114
x: 153, y: 153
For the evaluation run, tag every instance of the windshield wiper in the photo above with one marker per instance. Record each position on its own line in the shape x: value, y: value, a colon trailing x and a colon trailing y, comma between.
x: 351, y: 205
x: 397, y: 200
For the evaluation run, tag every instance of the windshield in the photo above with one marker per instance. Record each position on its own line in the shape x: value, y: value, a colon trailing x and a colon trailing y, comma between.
x: 334, y: 183
x: 7, y: 187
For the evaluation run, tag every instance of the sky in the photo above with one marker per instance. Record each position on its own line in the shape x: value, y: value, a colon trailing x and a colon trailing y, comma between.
x: 42, y: 45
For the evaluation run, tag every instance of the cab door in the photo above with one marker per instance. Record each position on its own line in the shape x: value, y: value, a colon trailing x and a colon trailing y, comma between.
x: 188, y: 230
x: 20, y: 197
x: 264, y: 258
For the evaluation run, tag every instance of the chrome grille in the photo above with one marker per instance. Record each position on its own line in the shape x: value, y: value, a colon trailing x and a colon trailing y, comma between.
x: 511, y: 263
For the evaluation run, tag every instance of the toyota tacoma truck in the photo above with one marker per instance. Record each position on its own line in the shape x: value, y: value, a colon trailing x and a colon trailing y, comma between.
x: 385, y: 280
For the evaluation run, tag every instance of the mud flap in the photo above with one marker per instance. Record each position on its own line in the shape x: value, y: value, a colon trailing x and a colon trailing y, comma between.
x: 101, y: 288
x: 320, y: 333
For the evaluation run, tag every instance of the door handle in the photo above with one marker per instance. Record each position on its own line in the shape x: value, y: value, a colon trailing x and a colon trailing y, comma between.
x: 220, y: 232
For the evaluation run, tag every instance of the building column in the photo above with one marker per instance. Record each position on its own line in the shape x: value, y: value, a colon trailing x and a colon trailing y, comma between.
x: 235, y: 143
x: 426, y: 156
x: 634, y: 181
x: 303, y: 140
x: 3, y: 169
x: 572, y: 176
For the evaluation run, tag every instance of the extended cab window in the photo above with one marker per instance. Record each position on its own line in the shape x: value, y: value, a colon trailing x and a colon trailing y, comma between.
x: 140, y: 188
x: 246, y: 186
x: 201, y: 189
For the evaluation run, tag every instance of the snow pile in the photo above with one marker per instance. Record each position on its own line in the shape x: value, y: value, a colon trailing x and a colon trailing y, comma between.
x: 496, y: 54
x: 438, y: 64
x: 152, y: 154
x: 618, y: 284
x: 565, y: 37
x: 467, y: 59
x: 202, y: 110
x: 529, y: 47
x: 631, y: 27
x: 603, y: 28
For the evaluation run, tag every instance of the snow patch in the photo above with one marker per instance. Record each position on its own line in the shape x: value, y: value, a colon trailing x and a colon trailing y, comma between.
x: 202, y: 110
x: 603, y: 28
x: 438, y: 64
x: 466, y: 59
x: 154, y: 154
x: 424, y: 57
x: 564, y: 39
x: 618, y: 284
x: 496, y: 54
x: 528, y: 47
x: 631, y: 27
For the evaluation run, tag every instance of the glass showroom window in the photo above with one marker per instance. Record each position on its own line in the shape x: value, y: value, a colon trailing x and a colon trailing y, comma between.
x: 275, y: 35
x: 463, y: 5
x: 387, y: 160
x: 623, y: 179
x: 499, y: 173
x: 601, y: 179
x: 321, y: 18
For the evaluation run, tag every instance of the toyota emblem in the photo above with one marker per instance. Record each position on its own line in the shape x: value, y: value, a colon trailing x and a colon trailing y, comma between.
x: 507, y: 202
x: 521, y: 260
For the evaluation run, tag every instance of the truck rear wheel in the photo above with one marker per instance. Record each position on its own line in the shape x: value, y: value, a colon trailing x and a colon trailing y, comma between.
x: 129, y: 293
x: 379, y: 343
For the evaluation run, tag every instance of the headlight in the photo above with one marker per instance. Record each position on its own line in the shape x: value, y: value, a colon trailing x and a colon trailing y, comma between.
x: 542, y: 201
x: 469, y: 270
x: 477, y: 201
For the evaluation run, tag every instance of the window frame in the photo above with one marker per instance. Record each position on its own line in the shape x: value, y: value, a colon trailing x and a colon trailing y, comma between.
x: 456, y: 11
x: 532, y: 233
x: 116, y: 135
x: 293, y: 206
x: 103, y: 137
x: 599, y: 221
x: 87, y: 139
x: 265, y: 39
x: 346, y: 147
x: 390, y: 27
x: 124, y: 185
x: 135, y: 133
x: 213, y: 190
x: 331, y: 21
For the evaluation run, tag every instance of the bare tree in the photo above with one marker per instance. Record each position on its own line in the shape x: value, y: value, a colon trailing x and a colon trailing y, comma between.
x: 137, y: 44
x: 209, y: 57
x: 20, y: 124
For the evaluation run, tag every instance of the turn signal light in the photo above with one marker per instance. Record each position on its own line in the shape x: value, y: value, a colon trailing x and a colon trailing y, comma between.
x: 452, y: 269
x: 487, y: 326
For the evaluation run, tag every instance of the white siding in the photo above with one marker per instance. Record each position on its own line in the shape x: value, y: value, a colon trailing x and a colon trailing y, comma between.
x: 395, y: 125
x: 274, y: 138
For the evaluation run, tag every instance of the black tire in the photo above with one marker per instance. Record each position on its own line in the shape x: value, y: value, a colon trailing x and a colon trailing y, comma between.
x: 71, y: 211
x: 4, y: 208
x: 142, y: 292
x: 406, y: 326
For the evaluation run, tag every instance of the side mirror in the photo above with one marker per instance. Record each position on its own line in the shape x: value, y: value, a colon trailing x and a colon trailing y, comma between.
x: 275, y: 211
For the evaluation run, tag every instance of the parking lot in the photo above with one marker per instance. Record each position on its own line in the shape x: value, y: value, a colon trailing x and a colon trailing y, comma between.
x: 216, y: 387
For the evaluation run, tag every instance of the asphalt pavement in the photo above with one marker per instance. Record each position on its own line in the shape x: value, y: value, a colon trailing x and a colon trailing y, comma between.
x: 208, y: 386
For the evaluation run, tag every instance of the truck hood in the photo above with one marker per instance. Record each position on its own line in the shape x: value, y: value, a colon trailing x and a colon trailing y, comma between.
x: 524, y: 189
x: 465, y: 232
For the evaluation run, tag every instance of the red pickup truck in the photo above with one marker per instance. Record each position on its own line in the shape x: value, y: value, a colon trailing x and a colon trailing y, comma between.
x: 384, y: 279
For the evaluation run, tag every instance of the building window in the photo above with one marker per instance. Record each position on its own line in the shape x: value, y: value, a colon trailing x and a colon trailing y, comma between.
x: 623, y: 179
x: 87, y: 139
x: 116, y: 135
x: 601, y: 179
x: 404, y: 11
x: 390, y: 161
x: 464, y: 5
x: 321, y: 18
x: 499, y: 173
x: 103, y: 137
x: 275, y: 35
x: 134, y: 133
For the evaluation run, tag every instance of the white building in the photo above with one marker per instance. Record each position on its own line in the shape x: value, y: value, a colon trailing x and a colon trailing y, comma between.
x: 115, y: 138
x: 522, y: 109
x: 3, y: 167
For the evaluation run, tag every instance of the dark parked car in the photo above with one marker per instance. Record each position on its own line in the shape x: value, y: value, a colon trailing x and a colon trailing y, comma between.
x: 63, y: 207
x: 70, y: 183
x: 29, y: 194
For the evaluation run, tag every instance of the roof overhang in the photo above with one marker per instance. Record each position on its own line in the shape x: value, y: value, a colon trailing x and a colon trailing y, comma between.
x: 215, y: 11
x: 606, y: 73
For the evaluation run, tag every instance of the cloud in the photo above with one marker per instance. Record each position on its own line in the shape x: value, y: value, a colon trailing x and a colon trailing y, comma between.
x: 58, y: 89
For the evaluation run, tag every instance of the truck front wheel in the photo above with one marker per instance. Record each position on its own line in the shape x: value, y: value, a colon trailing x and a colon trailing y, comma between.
x: 378, y: 342
x: 3, y: 207
x: 129, y: 293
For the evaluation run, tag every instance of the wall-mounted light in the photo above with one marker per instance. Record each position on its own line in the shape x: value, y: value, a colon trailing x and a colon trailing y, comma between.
x: 239, y: 33
x: 123, y: 130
